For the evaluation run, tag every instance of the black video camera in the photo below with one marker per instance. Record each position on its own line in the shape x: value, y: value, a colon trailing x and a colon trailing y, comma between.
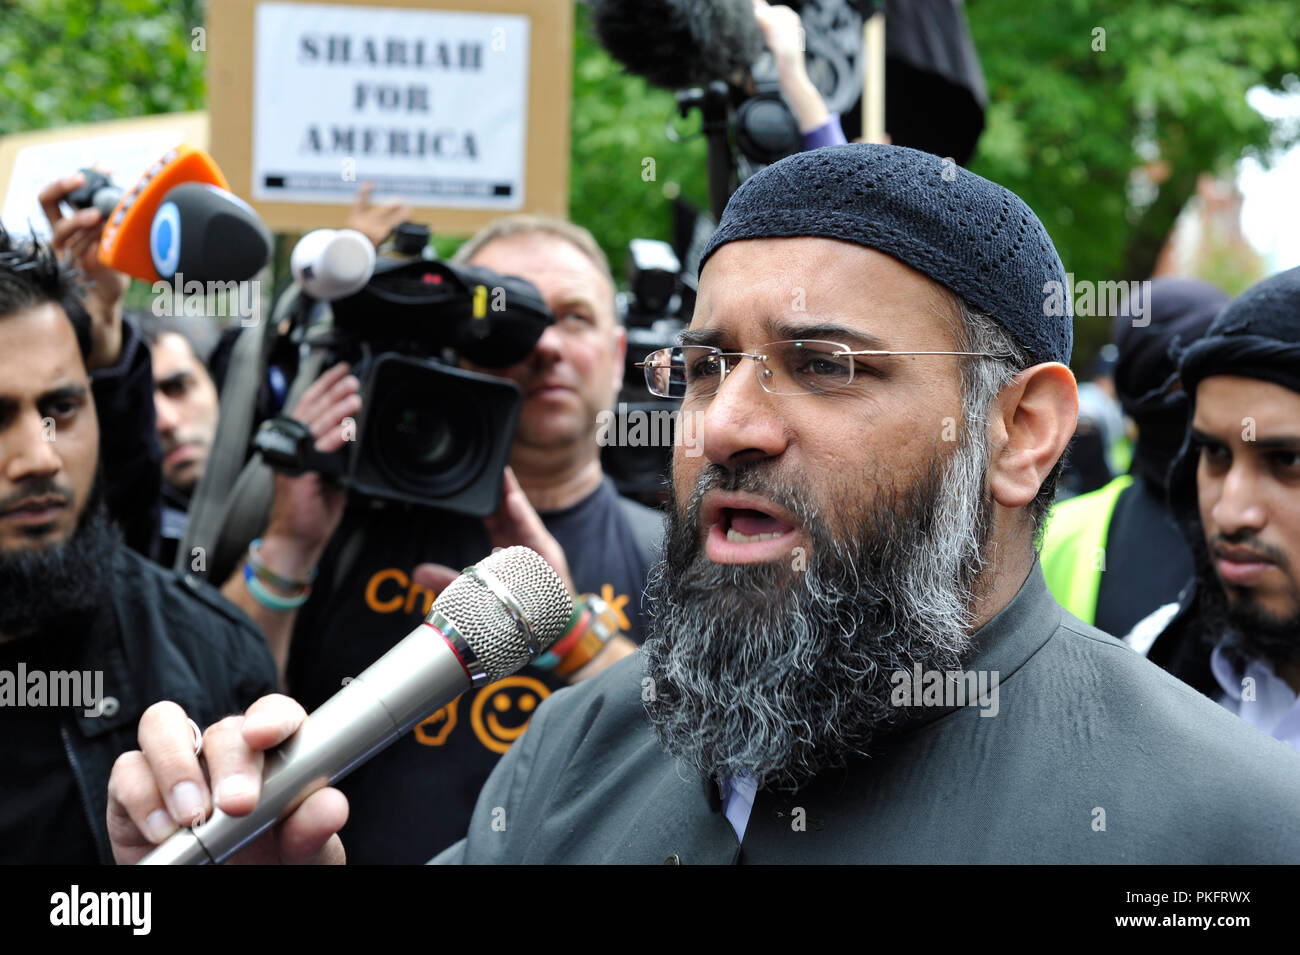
x: 429, y: 432
x: 655, y: 310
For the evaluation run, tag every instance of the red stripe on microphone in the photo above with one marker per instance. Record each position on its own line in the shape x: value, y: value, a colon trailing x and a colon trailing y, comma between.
x: 451, y: 648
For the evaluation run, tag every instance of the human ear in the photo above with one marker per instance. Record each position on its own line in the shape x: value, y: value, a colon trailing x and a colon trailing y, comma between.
x: 1030, y: 423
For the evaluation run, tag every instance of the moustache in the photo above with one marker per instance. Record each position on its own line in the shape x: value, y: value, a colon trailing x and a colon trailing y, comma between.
x: 1248, y: 540
x: 751, y: 479
x: 34, y: 488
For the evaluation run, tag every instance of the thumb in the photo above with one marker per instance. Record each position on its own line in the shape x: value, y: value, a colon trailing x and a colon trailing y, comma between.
x: 514, y: 521
x: 434, y: 577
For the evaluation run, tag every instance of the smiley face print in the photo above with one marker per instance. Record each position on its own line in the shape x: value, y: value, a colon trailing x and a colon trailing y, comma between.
x: 501, y: 711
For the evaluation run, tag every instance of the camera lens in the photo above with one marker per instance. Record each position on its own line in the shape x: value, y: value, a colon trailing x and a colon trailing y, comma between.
x: 421, y: 438
x: 426, y: 439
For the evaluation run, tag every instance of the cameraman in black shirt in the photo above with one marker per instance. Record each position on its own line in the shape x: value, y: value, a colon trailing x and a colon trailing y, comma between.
x: 358, y: 575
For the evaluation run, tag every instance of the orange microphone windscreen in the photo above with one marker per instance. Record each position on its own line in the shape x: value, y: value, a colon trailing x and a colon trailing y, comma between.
x: 125, y: 243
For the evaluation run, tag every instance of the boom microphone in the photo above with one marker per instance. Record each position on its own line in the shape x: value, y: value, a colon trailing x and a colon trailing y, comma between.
x: 332, y: 263
x: 491, y: 620
x: 680, y: 43
x: 207, y: 234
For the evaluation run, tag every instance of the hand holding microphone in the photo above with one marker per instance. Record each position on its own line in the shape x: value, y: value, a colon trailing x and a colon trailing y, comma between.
x: 76, y: 237
x: 164, y: 781
x: 271, y: 769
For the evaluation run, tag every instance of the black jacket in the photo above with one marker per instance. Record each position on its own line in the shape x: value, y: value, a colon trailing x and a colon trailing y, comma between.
x: 130, y: 458
x: 163, y: 636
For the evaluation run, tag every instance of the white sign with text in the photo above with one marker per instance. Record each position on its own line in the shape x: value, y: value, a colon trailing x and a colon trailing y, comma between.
x: 430, y: 105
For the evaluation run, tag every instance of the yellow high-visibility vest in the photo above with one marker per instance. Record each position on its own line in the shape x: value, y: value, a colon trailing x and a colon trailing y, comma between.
x: 1074, y: 547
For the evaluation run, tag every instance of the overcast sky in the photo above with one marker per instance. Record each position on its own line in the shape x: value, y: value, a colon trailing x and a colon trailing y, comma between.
x: 1270, y: 215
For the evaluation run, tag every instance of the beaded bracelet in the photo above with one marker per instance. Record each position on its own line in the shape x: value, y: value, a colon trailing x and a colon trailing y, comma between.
x: 268, y: 599
x: 590, y: 637
x: 572, y: 631
x: 270, y: 576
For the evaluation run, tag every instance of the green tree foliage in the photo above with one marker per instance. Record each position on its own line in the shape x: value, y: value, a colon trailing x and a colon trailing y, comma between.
x: 1106, y: 143
x: 83, y: 61
x: 618, y: 124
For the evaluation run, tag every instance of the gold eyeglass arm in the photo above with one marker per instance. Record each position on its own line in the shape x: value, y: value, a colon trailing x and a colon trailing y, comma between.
x: 885, y: 354
x: 875, y: 353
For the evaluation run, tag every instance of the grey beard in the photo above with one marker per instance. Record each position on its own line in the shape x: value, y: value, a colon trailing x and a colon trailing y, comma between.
x: 780, y: 673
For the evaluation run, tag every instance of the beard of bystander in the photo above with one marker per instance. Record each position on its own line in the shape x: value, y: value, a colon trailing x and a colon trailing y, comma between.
x: 1245, y: 629
x: 42, y: 586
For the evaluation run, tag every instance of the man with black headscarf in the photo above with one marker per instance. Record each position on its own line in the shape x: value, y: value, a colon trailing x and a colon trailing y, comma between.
x: 1114, y: 555
x: 852, y: 653
x: 91, y: 633
x: 1235, y: 489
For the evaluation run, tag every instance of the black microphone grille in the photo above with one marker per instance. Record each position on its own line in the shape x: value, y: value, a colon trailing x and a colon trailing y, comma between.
x: 679, y: 43
x: 487, y: 624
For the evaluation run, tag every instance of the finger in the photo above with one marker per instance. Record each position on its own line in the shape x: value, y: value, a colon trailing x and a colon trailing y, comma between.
x: 515, y: 520
x: 272, y: 720
x: 329, y: 424
x: 52, y: 195
x: 83, y: 246
x: 510, y: 489
x: 309, y: 835
x: 137, y: 815
x: 311, y: 398
x: 340, y: 432
x: 343, y: 388
x: 167, y: 742
x: 71, y: 228
x: 363, y: 196
x: 434, y: 577
x: 234, y: 767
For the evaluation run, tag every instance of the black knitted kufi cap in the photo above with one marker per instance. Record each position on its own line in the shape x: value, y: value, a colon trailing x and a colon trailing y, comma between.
x: 1256, y: 336
x: 972, y: 236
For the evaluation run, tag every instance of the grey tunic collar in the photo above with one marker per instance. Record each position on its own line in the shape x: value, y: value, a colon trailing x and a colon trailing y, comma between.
x: 1003, y: 644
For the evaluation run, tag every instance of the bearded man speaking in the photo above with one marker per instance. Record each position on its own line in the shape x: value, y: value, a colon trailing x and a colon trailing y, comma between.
x: 853, y: 656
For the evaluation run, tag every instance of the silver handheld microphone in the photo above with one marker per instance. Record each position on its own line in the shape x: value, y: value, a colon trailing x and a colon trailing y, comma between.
x: 493, y: 619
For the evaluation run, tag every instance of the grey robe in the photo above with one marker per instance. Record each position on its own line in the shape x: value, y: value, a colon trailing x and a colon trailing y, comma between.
x: 1095, y: 755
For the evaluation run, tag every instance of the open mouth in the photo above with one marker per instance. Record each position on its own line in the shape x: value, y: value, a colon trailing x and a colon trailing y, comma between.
x: 746, y: 525
x: 742, y: 529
